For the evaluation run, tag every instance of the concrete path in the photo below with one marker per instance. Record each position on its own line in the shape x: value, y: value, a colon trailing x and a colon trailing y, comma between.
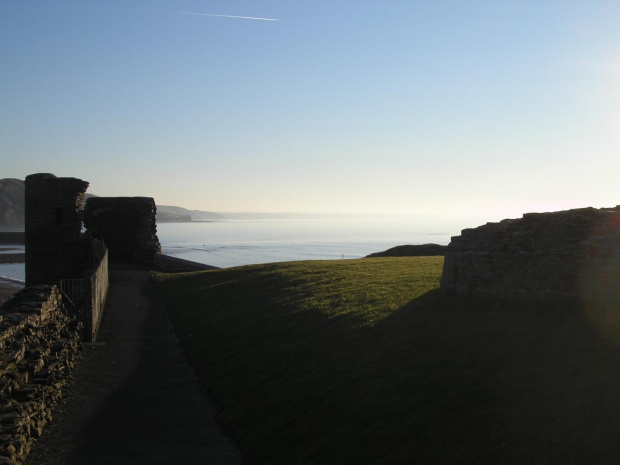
x: 134, y: 399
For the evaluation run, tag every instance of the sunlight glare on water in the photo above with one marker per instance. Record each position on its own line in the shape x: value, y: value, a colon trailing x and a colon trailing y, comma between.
x: 244, y: 242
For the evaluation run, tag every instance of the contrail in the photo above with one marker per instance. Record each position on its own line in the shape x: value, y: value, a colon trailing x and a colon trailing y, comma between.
x: 229, y: 16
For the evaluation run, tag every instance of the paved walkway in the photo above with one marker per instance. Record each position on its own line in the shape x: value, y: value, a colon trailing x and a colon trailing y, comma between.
x: 134, y: 399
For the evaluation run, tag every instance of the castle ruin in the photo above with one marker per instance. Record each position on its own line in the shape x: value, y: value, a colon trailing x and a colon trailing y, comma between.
x: 53, y: 228
x: 67, y: 245
x: 127, y: 225
x: 572, y: 254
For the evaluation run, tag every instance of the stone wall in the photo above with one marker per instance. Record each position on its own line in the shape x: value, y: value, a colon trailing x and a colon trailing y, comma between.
x: 566, y: 254
x: 39, y: 345
x: 127, y: 226
x: 53, y: 226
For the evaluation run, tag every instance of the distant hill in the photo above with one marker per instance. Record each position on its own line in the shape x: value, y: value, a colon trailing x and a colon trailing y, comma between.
x: 12, y: 202
x: 284, y: 216
x: 170, y: 214
x: 411, y: 251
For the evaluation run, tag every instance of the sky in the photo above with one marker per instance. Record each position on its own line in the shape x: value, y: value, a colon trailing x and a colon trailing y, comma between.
x: 477, y: 109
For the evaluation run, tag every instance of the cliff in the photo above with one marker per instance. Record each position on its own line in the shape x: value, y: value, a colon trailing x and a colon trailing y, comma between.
x: 12, y: 203
x: 171, y: 214
x: 12, y: 199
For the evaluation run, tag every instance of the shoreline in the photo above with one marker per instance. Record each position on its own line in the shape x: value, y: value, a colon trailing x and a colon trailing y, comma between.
x: 13, y: 237
x: 12, y: 258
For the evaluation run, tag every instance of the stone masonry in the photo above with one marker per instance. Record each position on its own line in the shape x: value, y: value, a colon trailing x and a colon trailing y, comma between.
x: 570, y: 254
x: 127, y: 226
x: 39, y: 345
x: 53, y: 225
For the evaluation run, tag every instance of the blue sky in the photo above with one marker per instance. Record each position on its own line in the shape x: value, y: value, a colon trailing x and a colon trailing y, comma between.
x: 484, y: 109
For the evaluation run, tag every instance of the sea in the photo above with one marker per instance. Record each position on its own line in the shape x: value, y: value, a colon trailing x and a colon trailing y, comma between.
x: 244, y: 242
x: 12, y: 271
x: 236, y: 242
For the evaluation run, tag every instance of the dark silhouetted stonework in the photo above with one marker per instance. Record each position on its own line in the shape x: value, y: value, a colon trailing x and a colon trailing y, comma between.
x: 566, y: 254
x: 53, y: 226
x: 126, y: 225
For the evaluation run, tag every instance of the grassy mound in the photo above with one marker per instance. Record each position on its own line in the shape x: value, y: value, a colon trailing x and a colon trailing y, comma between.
x: 421, y: 250
x: 363, y: 361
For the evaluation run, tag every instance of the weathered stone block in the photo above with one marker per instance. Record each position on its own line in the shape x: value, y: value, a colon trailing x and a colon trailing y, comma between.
x: 53, y: 228
x: 32, y: 378
x: 568, y: 254
x: 127, y: 225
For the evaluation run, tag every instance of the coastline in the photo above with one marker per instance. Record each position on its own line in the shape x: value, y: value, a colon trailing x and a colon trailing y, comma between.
x: 11, y: 258
x: 12, y: 236
x: 11, y: 252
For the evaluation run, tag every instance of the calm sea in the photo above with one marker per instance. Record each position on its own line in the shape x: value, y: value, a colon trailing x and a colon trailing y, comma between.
x: 244, y: 242
x: 14, y: 271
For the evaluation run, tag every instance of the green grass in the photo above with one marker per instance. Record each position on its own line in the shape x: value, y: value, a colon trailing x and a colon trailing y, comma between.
x: 363, y: 361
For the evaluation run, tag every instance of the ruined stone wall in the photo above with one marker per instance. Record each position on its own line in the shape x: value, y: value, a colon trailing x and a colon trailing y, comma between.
x: 39, y: 345
x: 127, y: 226
x: 567, y: 254
x: 53, y: 224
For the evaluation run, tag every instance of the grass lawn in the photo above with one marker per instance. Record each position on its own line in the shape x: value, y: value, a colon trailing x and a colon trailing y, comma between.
x: 365, y: 362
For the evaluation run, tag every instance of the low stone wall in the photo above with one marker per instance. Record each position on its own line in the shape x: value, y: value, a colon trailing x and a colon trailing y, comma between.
x: 570, y: 254
x: 170, y: 264
x: 86, y: 297
x: 39, y: 344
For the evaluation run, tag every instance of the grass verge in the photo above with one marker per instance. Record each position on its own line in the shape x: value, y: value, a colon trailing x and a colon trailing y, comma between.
x: 363, y: 361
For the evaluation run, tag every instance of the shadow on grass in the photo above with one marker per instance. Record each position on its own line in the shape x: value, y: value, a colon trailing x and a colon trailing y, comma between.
x: 439, y: 381
x: 483, y: 381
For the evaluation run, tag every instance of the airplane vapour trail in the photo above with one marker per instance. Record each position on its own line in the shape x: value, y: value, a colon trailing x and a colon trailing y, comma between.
x: 230, y: 16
